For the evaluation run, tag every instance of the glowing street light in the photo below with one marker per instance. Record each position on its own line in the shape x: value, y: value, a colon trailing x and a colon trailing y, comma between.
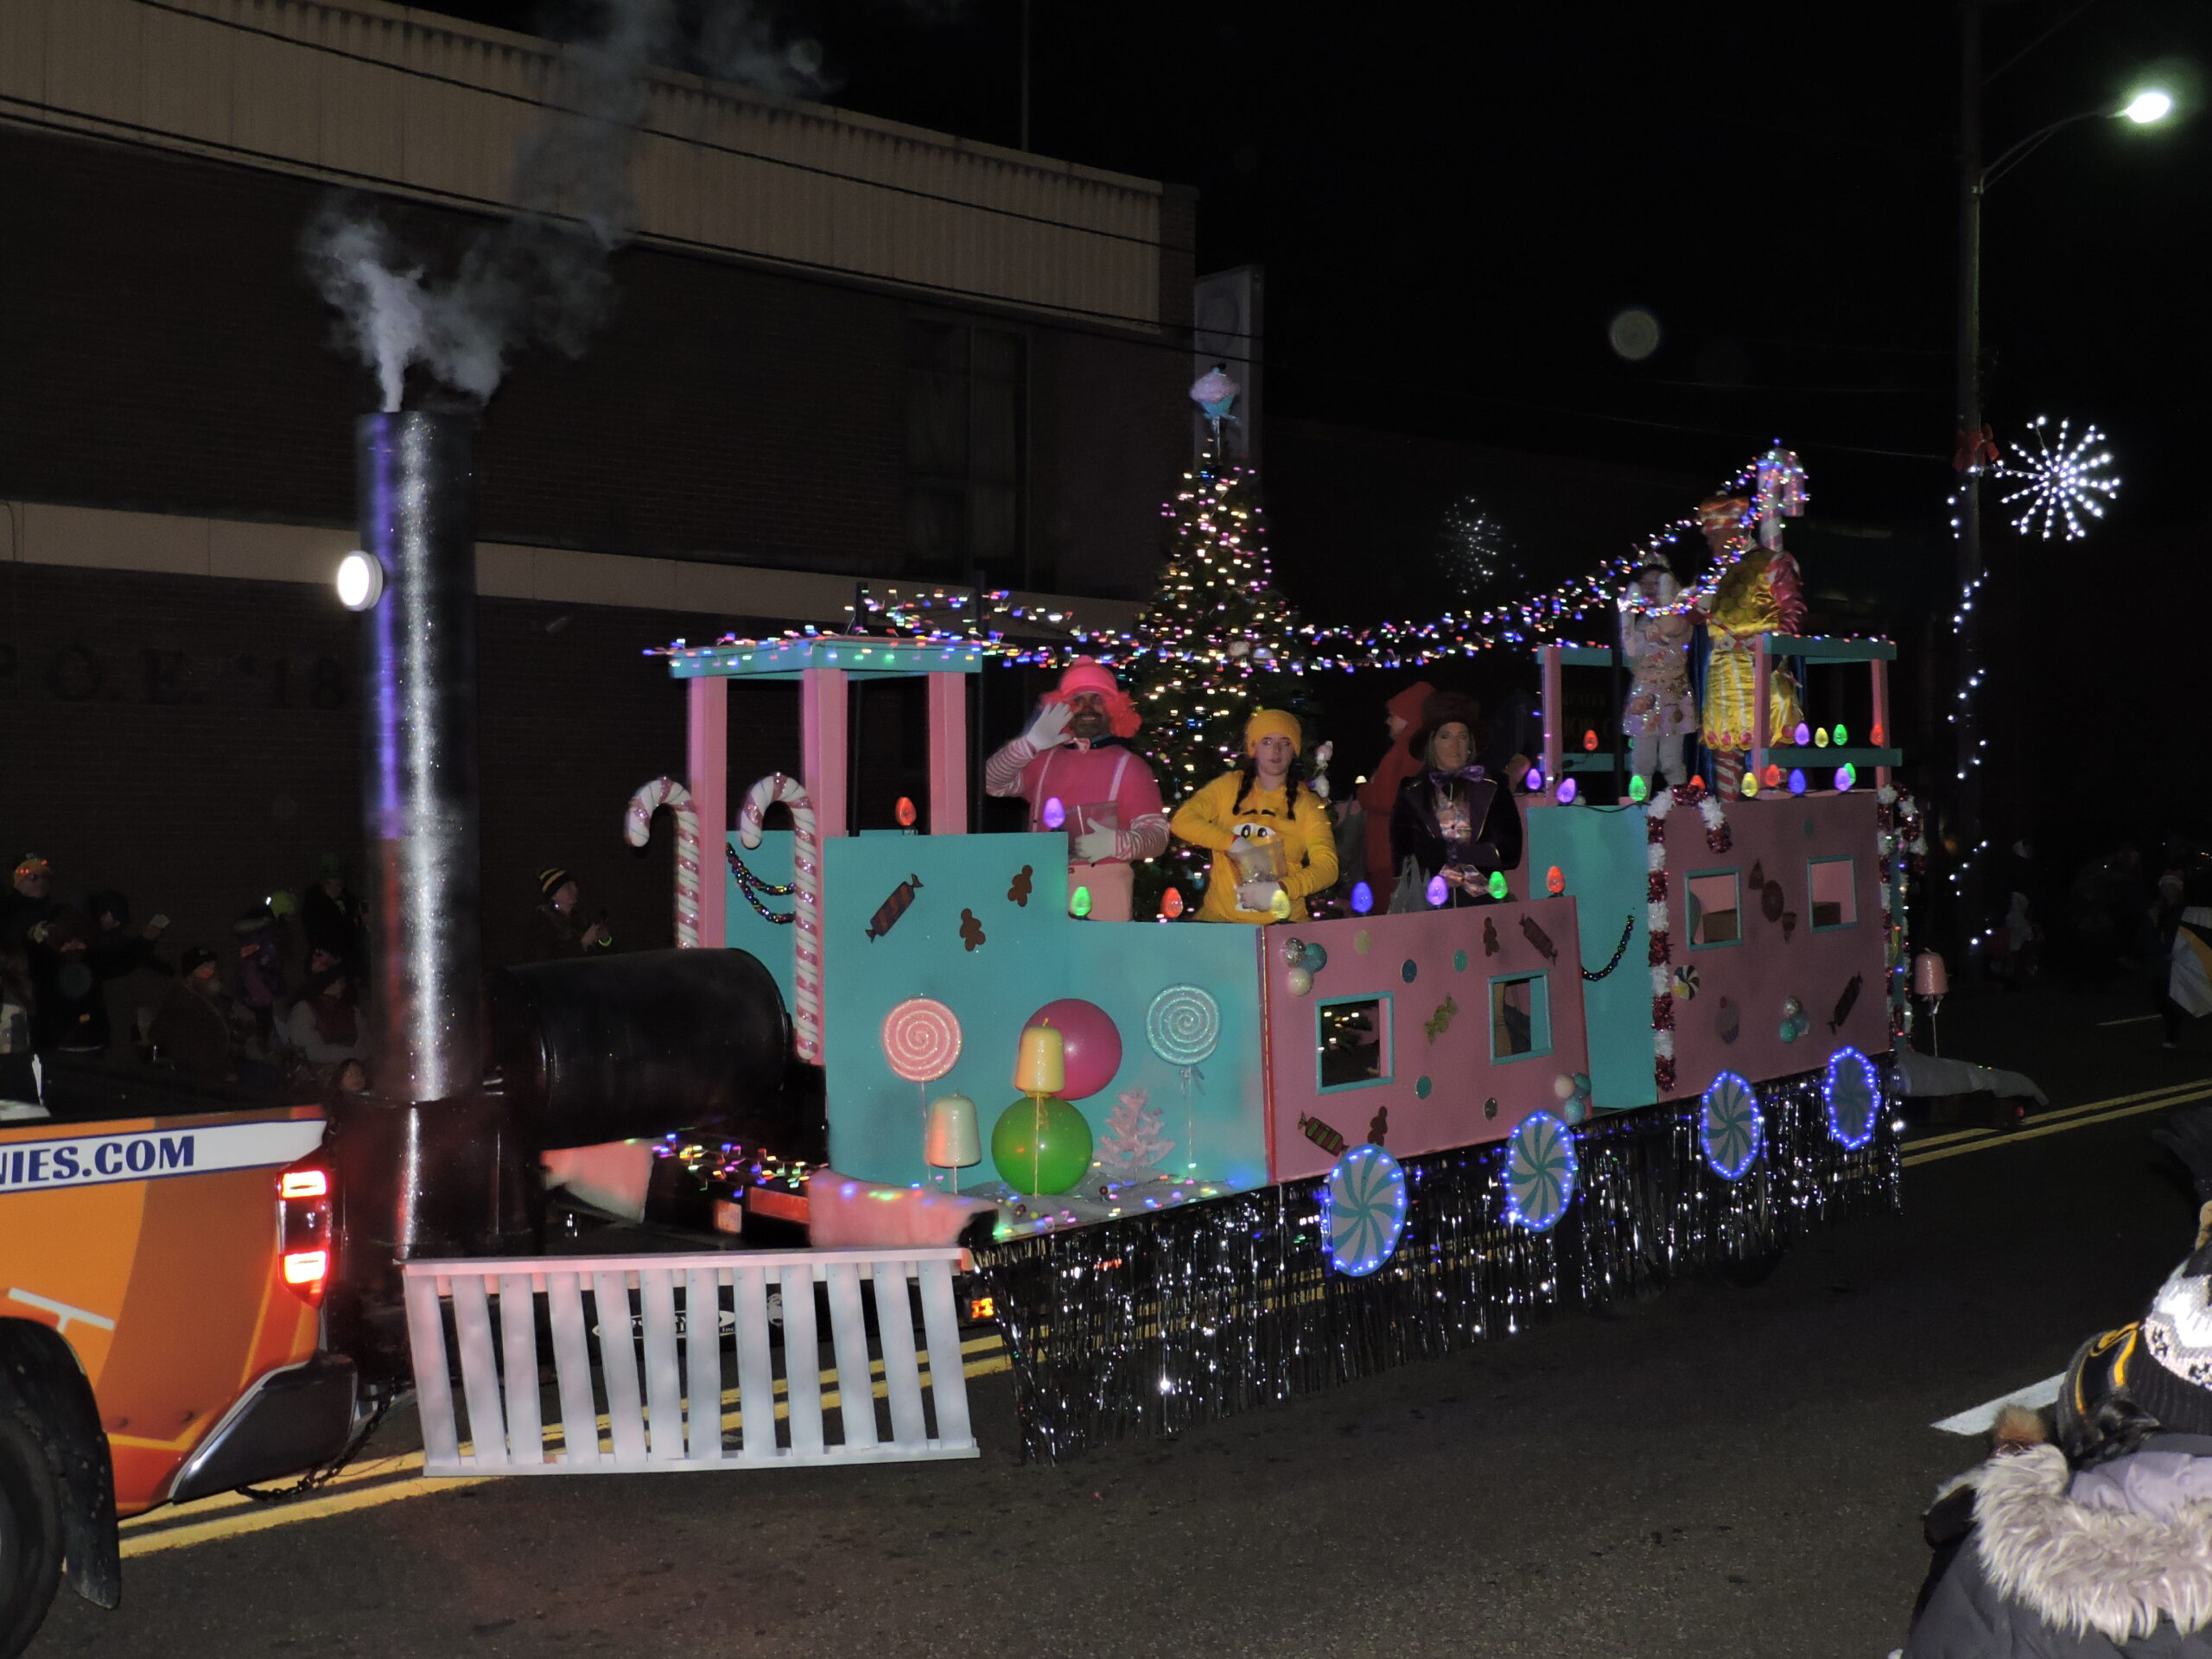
x: 2149, y: 106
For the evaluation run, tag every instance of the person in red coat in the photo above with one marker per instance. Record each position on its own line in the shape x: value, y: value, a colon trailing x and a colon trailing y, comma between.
x: 1379, y: 794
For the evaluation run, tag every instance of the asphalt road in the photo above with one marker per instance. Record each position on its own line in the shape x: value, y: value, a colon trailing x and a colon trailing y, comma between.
x: 1720, y: 1470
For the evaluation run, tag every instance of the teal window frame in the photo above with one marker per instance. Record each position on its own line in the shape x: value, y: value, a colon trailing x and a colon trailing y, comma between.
x: 1386, y: 1041
x: 1540, y: 1016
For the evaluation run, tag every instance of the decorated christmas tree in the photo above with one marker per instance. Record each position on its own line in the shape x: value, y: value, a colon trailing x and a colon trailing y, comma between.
x: 1214, y: 645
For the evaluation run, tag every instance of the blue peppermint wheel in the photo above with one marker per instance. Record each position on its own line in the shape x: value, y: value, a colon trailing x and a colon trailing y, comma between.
x: 1853, y: 1097
x: 1539, y: 1172
x: 1728, y: 1126
x: 1363, y: 1211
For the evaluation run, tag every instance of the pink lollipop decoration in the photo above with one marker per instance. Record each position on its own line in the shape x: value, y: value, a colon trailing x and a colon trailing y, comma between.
x: 921, y: 1039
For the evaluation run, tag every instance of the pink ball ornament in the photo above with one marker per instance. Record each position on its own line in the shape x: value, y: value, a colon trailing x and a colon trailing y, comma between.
x: 1092, y: 1041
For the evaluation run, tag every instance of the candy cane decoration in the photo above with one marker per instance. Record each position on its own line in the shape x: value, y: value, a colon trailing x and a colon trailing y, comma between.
x: 806, y: 862
x: 637, y: 828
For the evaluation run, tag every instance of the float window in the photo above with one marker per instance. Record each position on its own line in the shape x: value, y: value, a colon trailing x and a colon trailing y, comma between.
x: 1835, y: 885
x: 1716, y: 916
x: 1519, y: 1017
x: 1353, y: 1038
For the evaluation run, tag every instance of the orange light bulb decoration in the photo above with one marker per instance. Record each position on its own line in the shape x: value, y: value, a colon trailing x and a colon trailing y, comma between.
x: 1171, y: 903
x: 1555, y: 881
x: 905, y: 813
x: 1590, y: 742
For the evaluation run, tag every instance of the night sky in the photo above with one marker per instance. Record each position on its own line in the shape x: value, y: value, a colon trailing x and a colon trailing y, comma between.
x: 1452, y: 204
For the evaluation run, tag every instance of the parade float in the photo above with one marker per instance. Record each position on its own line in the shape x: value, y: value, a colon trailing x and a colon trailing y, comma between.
x: 1223, y: 1165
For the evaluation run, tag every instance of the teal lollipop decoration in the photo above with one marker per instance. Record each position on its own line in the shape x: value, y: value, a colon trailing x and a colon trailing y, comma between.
x: 1854, y: 1098
x: 1540, y: 1171
x: 1183, y: 1025
x: 1728, y: 1127
x: 1363, y: 1211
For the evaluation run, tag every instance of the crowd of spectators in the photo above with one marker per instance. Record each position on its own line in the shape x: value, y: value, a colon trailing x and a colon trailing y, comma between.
x: 276, y: 1011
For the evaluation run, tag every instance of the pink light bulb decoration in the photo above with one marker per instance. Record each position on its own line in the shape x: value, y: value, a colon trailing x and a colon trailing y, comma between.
x: 1054, y: 814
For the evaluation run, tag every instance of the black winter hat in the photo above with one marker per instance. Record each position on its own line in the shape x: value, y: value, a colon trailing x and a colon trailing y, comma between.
x: 1440, y: 709
x: 197, y: 956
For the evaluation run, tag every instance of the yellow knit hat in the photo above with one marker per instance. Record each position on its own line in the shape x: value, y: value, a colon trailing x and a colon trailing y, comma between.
x: 1274, y: 722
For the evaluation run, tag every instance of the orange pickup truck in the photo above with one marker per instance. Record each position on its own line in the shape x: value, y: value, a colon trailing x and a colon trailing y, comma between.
x: 161, y: 1281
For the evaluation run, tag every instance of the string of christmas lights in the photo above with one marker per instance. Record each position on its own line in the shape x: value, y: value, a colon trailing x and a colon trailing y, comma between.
x: 988, y: 619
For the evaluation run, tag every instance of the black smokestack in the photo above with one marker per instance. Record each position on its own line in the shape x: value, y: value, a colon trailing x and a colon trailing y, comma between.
x: 415, y: 484
x: 431, y: 1169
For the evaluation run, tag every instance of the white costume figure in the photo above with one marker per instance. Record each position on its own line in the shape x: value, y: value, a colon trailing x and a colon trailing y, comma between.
x: 1655, y: 649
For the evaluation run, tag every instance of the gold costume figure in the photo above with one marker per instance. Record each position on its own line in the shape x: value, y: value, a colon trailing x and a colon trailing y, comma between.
x: 1745, y: 606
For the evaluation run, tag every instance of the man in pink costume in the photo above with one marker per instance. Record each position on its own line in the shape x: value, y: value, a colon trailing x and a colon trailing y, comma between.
x: 1075, y: 753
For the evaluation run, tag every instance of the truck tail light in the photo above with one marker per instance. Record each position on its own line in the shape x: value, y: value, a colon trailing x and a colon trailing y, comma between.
x: 304, y: 1227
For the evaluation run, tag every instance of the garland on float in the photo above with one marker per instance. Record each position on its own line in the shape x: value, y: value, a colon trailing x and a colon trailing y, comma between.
x: 1775, y: 480
x: 1660, y: 955
x: 1902, y: 845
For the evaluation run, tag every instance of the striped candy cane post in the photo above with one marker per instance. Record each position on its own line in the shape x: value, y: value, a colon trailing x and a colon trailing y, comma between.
x: 807, y: 860
x: 637, y: 828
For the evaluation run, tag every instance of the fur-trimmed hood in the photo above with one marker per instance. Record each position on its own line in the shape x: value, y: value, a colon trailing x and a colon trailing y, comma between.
x: 2082, y: 1566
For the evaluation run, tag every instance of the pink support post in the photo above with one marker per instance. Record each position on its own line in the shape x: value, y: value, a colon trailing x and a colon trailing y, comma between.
x: 1762, y: 705
x: 1881, y: 732
x: 821, y: 746
x: 948, y: 754
x: 1555, y: 708
x: 706, y: 763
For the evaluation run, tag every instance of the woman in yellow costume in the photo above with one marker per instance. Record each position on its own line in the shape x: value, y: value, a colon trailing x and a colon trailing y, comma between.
x: 1762, y: 593
x: 1270, y: 834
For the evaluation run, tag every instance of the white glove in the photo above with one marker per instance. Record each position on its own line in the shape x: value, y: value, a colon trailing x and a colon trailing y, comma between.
x: 1093, y: 846
x: 1257, y: 895
x: 1049, y: 729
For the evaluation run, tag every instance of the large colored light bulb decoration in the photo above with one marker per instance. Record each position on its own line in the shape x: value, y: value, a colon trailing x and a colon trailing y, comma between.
x: 1041, y: 1144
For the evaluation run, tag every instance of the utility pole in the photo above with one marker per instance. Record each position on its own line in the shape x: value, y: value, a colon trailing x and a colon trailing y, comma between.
x: 1965, y: 814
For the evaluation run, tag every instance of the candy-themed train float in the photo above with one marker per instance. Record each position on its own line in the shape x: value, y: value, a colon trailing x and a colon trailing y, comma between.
x: 1220, y: 1165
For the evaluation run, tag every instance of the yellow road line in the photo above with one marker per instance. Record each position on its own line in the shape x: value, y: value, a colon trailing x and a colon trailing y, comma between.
x: 1922, y: 1143
x: 386, y: 1480
x: 1914, y: 1159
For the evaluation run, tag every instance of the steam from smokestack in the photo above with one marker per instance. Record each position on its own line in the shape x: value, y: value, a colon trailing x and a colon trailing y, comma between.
x: 539, y: 278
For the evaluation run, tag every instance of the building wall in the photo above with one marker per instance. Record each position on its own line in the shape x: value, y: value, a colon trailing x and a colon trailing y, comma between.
x: 194, y: 743
x: 165, y: 352
x: 430, y: 107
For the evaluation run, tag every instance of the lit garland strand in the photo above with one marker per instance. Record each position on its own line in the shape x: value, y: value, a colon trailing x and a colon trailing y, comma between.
x: 985, y: 619
x: 2060, y: 481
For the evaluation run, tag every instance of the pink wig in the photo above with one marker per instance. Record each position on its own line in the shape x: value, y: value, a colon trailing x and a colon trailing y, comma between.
x: 1089, y: 674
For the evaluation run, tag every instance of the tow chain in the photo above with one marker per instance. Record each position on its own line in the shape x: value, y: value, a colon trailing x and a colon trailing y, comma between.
x: 315, y: 1479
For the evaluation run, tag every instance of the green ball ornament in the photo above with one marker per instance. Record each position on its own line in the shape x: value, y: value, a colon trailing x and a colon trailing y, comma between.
x: 1041, y: 1145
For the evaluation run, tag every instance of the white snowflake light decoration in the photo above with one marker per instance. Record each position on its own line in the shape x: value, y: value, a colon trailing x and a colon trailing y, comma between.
x: 1477, y: 553
x: 2060, y: 480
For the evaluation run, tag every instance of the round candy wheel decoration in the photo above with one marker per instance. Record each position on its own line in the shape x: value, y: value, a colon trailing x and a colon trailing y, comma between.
x: 921, y: 1040
x: 1183, y: 1025
x: 1363, y: 1211
x: 1728, y: 1127
x: 1539, y: 1172
x: 1854, y: 1098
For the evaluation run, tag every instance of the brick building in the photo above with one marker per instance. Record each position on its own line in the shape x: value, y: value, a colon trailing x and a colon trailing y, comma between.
x: 843, y: 350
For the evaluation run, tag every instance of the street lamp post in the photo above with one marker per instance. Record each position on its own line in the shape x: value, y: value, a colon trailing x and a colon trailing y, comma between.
x: 2145, y: 107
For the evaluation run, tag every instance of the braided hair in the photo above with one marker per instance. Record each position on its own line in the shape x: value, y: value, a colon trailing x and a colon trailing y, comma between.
x: 1248, y: 772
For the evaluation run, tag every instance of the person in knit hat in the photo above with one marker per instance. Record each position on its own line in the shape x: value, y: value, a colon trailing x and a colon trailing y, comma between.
x: 1075, y: 755
x: 562, y: 931
x: 2097, y: 1539
x: 1378, y: 796
x: 1272, y: 841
